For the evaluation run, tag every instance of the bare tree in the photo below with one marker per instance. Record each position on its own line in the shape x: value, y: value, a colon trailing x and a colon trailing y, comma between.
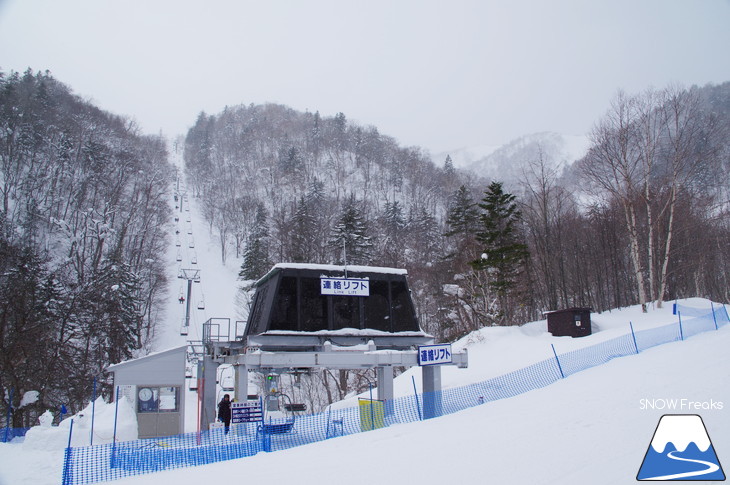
x: 544, y: 208
x: 615, y: 164
x: 688, y: 149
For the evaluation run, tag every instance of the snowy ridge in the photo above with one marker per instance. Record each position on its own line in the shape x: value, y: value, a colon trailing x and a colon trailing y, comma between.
x: 508, y: 162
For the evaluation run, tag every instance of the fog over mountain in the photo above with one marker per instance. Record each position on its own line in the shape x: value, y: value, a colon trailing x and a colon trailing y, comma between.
x: 506, y: 163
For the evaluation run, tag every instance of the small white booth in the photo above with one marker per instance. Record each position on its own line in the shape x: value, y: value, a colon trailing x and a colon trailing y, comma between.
x: 155, y: 384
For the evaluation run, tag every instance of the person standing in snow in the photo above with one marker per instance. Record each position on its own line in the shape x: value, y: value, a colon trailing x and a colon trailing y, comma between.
x: 224, y: 412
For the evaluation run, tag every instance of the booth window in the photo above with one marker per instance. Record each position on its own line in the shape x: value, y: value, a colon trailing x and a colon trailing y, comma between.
x: 158, y: 399
x: 169, y: 399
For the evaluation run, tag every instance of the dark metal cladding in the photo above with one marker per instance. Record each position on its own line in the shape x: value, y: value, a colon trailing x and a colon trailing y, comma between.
x: 289, y: 298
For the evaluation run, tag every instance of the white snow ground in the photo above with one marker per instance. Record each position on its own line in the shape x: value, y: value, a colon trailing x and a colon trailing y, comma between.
x: 593, y: 427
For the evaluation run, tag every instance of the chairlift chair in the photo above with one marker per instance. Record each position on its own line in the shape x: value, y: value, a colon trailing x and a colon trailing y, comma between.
x: 287, y: 424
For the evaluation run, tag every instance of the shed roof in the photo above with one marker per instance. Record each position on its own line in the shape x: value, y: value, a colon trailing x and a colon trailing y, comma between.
x: 566, y: 310
x: 149, y: 357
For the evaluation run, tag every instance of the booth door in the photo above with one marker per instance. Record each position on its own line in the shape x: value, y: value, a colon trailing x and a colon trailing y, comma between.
x: 159, y: 412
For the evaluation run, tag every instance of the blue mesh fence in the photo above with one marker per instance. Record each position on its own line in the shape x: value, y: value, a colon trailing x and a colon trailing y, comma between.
x: 9, y: 434
x: 84, y: 465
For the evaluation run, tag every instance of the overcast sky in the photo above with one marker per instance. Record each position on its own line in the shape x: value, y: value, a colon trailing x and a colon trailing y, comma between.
x: 436, y: 74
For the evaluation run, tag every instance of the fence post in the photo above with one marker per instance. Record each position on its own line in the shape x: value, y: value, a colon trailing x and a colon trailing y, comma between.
x: 327, y: 428
x: 415, y: 393
x: 372, y: 412
x: 114, y: 436
x: 633, y: 335
x: 10, y: 415
x: 681, y: 333
x: 93, y: 409
x: 66, y: 480
x: 560, y: 368
x: 714, y: 318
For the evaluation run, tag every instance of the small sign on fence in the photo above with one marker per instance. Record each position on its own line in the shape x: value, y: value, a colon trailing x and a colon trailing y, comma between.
x: 434, y: 354
x: 246, y: 412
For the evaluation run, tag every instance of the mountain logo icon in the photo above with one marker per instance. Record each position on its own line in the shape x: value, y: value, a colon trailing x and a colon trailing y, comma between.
x: 680, y: 450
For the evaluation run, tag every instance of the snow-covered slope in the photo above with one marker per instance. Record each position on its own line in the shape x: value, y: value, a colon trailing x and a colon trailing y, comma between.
x: 592, y: 427
x: 195, y: 249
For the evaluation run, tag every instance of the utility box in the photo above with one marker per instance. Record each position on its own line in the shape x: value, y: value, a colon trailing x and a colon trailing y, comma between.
x: 572, y: 322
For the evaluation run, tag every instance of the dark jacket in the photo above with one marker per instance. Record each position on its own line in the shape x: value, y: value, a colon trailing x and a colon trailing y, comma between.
x: 224, y: 410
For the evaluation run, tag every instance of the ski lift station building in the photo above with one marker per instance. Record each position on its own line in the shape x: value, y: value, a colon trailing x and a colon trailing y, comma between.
x: 310, y: 316
x: 296, y: 305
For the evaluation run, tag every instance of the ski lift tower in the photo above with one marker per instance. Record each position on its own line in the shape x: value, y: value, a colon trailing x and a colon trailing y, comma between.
x: 191, y: 275
x: 314, y: 316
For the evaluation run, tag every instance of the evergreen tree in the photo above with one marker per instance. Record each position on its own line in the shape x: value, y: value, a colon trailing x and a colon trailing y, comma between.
x: 463, y: 215
x: 393, y: 225
x: 31, y: 316
x: 256, y: 259
x: 425, y: 238
x: 449, y: 169
x: 109, y: 303
x: 303, y: 237
x: 503, y: 252
x: 351, y: 234
x: 462, y: 220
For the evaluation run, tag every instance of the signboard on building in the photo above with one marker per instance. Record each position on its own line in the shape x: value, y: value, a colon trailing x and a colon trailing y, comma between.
x: 129, y: 391
x: 246, y: 412
x: 434, y: 354
x: 345, y: 286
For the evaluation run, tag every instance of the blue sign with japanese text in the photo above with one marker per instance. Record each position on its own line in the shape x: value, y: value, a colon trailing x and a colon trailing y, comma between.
x: 434, y: 354
x: 246, y: 412
x: 345, y: 286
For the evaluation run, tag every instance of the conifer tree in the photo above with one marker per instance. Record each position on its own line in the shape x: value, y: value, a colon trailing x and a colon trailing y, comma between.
x: 463, y: 215
x: 503, y: 252
x: 303, y: 236
x: 351, y: 235
x: 393, y: 226
x: 256, y: 260
x: 462, y: 219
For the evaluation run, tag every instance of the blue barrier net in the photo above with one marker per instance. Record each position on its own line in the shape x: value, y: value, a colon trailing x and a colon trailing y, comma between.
x: 8, y: 435
x: 85, y: 465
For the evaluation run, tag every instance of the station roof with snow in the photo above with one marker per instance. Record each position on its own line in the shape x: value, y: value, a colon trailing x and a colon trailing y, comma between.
x: 329, y: 299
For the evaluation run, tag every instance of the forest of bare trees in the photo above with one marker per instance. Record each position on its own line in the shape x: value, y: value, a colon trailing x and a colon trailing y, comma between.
x: 619, y: 227
x: 84, y: 207
x: 643, y: 218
